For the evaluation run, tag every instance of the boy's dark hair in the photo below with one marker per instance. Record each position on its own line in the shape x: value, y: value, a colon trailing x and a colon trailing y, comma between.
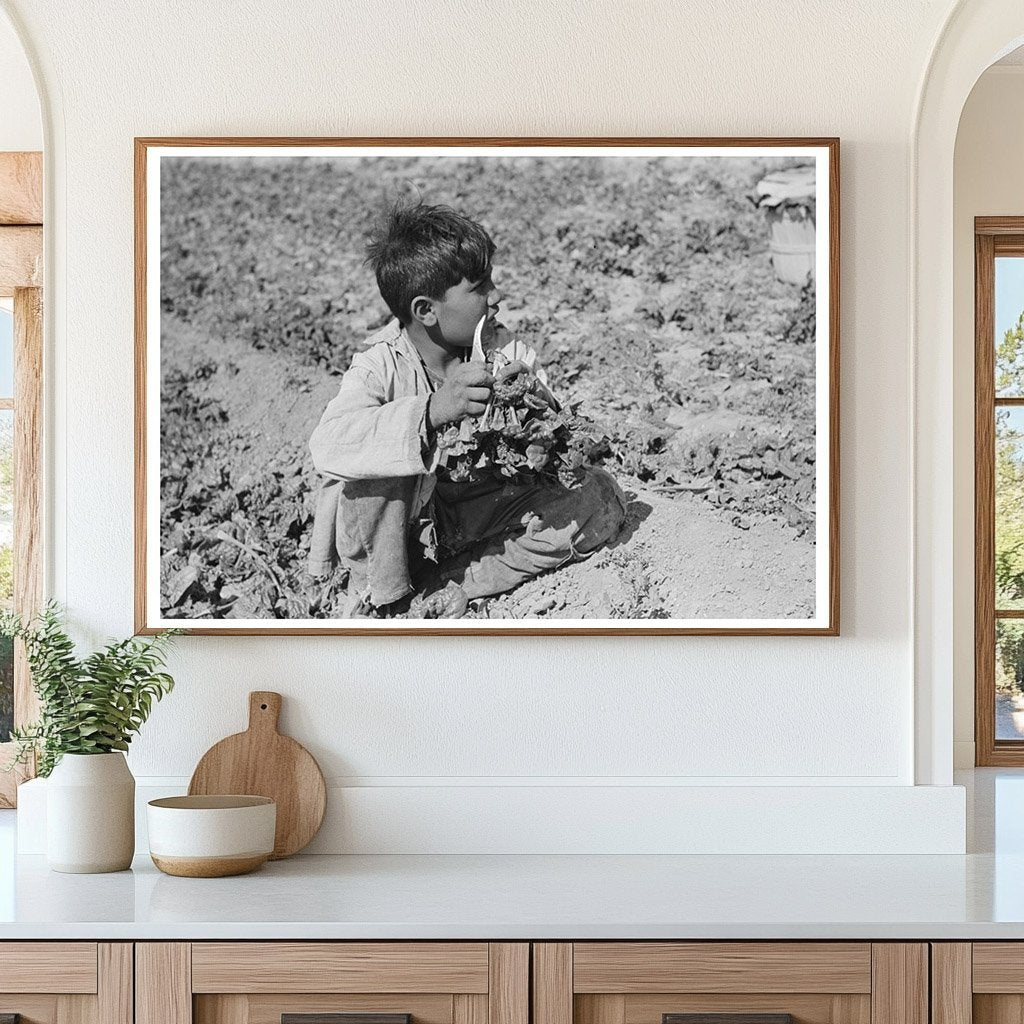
x: 425, y: 250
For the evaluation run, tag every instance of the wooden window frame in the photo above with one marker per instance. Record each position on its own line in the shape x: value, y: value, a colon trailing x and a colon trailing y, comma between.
x: 21, y: 278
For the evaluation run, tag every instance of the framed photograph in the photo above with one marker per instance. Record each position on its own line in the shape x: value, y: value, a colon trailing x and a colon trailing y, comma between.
x: 497, y: 386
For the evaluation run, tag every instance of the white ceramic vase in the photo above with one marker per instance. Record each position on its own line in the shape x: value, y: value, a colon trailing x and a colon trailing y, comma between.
x: 90, y: 814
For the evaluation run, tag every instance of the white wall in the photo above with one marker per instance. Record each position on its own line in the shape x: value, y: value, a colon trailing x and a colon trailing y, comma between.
x: 21, y: 126
x: 987, y: 182
x: 428, y: 716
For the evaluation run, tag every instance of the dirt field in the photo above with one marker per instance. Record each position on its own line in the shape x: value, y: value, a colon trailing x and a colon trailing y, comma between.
x: 646, y: 289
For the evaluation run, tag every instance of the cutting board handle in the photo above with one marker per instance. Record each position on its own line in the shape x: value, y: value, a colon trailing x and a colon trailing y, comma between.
x: 264, y: 710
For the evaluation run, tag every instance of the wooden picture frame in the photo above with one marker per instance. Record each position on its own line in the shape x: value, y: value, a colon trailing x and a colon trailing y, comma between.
x: 211, y: 186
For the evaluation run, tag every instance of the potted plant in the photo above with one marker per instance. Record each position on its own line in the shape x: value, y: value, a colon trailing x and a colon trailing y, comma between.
x: 89, y: 709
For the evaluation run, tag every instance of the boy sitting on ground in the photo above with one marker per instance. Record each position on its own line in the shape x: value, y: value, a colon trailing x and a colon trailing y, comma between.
x: 376, y: 442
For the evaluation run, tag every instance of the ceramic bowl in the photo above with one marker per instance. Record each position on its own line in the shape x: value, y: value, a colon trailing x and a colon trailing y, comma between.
x: 211, y: 836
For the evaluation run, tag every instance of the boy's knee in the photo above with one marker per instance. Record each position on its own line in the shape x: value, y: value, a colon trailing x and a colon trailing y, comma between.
x: 605, y: 502
x: 580, y: 521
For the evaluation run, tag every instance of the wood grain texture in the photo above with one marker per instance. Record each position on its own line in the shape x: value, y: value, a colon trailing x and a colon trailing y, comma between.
x: 851, y: 1009
x: 208, y: 867
x: 65, y: 967
x: 599, y: 1009
x: 899, y: 991
x: 143, y: 144
x: 999, y: 226
x: 346, y: 1018
x: 998, y: 967
x: 951, y: 983
x: 9, y: 781
x: 998, y: 1009
x: 508, y: 993
x: 224, y: 1009
x: 115, y: 996
x: 76, y: 1009
x: 21, y: 259
x: 163, y: 983
x: 304, y: 967
x: 21, y: 188
x: 805, y: 1008
x: 634, y: 967
x: 262, y: 762
x: 31, y: 1009
x: 28, y: 484
x: 468, y: 1009
x: 268, y: 1009
x: 552, y: 983
x: 727, y: 1018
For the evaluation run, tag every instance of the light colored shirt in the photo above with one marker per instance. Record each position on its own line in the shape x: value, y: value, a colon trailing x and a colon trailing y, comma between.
x: 376, y: 427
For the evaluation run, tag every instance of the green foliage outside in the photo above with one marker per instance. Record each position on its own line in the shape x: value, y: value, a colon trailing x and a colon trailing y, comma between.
x: 89, y: 705
x: 1009, y: 511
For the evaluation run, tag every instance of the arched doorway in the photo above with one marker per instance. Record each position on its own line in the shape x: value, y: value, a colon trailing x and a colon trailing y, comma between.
x: 977, y: 33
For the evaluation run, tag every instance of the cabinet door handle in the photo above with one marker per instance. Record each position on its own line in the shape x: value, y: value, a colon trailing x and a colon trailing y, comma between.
x: 727, y: 1018
x: 339, y: 1018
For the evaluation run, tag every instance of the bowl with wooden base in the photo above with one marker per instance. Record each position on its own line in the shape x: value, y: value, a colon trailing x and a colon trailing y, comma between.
x: 211, y: 836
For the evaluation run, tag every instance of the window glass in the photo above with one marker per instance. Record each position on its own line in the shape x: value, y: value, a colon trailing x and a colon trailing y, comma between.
x: 1009, y: 679
x: 1009, y: 327
x: 6, y: 353
x: 1009, y: 512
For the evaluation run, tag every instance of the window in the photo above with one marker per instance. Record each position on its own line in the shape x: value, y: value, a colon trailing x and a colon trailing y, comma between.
x: 999, y: 490
x: 21, y: 319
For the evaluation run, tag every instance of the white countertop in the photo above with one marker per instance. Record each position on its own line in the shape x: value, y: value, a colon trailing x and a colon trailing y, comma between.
x: 517, y: 897
x: 976, y: 896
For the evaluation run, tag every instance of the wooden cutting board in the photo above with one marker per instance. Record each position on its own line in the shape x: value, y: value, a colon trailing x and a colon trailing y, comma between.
x: 262, y: 762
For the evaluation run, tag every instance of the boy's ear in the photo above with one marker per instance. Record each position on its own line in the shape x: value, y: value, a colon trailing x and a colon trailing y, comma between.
x: 422, y: 309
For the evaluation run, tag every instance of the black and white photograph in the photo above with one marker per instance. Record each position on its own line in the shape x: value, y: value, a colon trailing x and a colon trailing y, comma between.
x: 471, y: 386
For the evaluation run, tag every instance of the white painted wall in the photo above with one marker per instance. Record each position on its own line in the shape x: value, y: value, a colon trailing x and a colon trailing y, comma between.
x: 987, y: 182
x: 21, y: 127
x: 431, y: 716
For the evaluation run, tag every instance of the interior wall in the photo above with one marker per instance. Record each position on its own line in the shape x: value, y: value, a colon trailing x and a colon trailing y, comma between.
x: 987, y: 182
x: 524, y: 711
x: 21, y: 127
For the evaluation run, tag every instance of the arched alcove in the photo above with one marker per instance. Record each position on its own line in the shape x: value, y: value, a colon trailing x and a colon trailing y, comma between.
x: 976, y: 34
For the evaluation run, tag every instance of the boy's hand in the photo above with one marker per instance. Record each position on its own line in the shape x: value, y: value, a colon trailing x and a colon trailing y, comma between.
x: 517, y: 366
x: 511, y: 369
x: 465, y: 393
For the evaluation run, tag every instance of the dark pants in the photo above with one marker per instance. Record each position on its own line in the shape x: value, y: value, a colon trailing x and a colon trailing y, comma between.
x: 491, y: 536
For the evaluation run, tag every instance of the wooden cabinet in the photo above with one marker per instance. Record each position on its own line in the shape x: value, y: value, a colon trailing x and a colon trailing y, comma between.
x: 759, y: 982
x: 66, y: 982
x: 978, y: 983
x: 512, y: 983
x: 263, y: 982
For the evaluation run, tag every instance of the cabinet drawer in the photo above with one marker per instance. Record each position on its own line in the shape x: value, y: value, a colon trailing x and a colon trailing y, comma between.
x: 66, y: 982
x: 750, y: 967
x: 730, y: 983
x: 980, y: 982
x: 332, y: 983
x: 65, y: 967
x: 340, y: 967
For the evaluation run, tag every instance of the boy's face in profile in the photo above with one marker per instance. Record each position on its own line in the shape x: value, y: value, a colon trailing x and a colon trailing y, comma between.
x: 459, y: 310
